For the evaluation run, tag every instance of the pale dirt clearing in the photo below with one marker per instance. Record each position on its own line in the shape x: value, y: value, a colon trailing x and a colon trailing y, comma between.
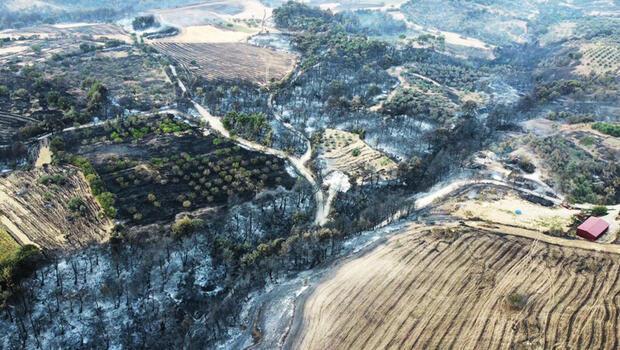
x: 37, y: 213
x: 45, y: 155
x: 208, y: 34
x: 213, y: 12
x: 558, y: 32
x: 113, y: 54
x: 10, y: 50
x: 466, y: 288
x: 503, y: 211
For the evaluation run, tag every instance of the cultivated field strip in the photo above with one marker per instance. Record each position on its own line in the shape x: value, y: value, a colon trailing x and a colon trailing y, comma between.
x: 34, y: 212
x: 9, y: 123
x: 455, y: 288
x: 346, y: 152
x: 230, y: 61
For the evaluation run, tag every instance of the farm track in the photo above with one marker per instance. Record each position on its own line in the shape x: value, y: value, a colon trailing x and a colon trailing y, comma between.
x: 322, y: 207
x: 436, y: 289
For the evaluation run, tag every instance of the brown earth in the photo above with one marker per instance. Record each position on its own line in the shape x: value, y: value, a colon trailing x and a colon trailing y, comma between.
x: 466, y: 288
x: 346, y: 152
x: 230, y: 61
x: 38, y: 213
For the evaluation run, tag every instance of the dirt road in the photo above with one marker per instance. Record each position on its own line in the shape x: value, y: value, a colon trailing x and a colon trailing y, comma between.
x: 322, y: 209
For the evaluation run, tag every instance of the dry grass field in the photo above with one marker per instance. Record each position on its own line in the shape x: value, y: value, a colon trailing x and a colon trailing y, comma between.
x: 465, y: 288
x: 35, y: 211
x: 231, y: 61
x: 346, y: 152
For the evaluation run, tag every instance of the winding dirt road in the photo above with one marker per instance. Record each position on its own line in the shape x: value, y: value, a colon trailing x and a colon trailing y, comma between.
x: 322, y: 209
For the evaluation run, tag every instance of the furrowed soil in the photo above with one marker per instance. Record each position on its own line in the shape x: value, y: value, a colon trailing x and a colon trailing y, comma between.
x: 464, y: 288
x: 230, y: 61
x: 38, y: 213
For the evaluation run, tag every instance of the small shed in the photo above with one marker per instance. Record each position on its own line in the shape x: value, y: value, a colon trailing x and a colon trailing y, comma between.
x: 593, y: 228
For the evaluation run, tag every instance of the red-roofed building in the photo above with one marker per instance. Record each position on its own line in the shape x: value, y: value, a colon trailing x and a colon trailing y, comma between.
x: 593, y: 228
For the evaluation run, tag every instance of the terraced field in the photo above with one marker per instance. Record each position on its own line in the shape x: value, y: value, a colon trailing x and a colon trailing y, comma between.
x: 9, y: 123
x: 464, y: 288
x: 47, y: 31
x: 346, y: 152
x: 35, y: 209
x: 230, y: 61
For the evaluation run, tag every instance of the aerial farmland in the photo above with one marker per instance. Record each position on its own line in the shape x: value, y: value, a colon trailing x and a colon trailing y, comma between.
x: 265, y: 174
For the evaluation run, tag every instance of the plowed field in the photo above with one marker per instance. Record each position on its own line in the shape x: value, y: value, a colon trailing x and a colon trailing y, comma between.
x: 466, y: 289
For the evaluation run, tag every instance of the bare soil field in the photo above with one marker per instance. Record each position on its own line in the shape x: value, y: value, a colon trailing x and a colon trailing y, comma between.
x: 466, y: 288
x: 492, y: 206
x: 242, y: 14
x: 41, y: 43
x: 229, y: 61
x: 36, y: 211
x: 346, y: 152
x: 208, y: 34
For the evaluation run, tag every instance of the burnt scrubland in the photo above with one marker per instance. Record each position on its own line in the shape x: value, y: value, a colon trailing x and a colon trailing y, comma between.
x: 75, y: 77
x: 163, y: 230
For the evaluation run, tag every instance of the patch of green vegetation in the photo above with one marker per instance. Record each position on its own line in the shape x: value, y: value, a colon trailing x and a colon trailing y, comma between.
x: 77, y: 205
x: 185, y: 226
x: 435, y: 108
x: 135, y: 128
x: 599, y: 210
x: 587, y: 141
x: 517, y: 301
x: 250, y: 126
x: 36, y: 48
x: 170, y: 126
x: 107, y: 201
x: 456, y: 76
x: 577, y: 173
x: 607, y: 128
x: 57, y: 179
x: 8, y: 246
x: 356, y: 152
x: 97, y: 186
x: 20, y: 263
